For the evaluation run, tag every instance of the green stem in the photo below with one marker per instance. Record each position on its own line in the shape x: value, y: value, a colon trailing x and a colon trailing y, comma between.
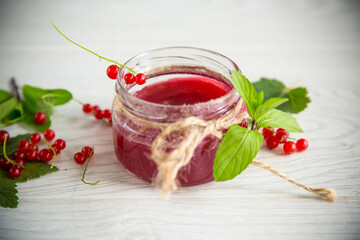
x: 52, y: 149
x: 101, y: 57
x: 10, y: 122
x: 5, y: 155
x: 78, y: 101
x: 86, y: 166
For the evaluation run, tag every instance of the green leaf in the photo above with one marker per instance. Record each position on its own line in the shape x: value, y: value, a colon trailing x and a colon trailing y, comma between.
x: 7, y: 106
x: 35, y: 169
x: 246, y: 91
x: 279, y: 119
x: 260, y: 98
x: 34, y: 106
x: 268, y: 105
x: 298, y: 100
x: 12, y: 144
x: 8, y: 191
x: 28, y: 119
x: 52, y: 97
x: 4, y: 95
x: 14, y: 116
x: 271, y: 87
x: 236, y: 151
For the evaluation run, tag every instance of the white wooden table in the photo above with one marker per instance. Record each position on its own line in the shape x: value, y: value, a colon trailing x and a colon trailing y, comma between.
x: 317, y: 42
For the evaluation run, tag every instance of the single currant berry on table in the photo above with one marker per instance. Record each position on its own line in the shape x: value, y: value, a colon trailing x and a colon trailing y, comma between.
x: 49, y: 134
x: 45, y: 155
x: 129, y: 78
x: 40, y: 118
x: 268, y: 132
x: 3, y: 134
x: 19, y: 155
x: 22, y: 164
x: 281, y: 136
x: 87, y: 108
x: 14, y: 172
x: 32, y: 155
x: 272, y: 142
x: 24, y: 146
x: 80, y: 158
x: 301, y: 144
x: 35, y: 138
x: 4, y: 164
x: 60, y: 143
x: 289, y: 147
x: 87, y: 151
x: 112, y: 71
x: 140, y: 79
x: 99, y: 114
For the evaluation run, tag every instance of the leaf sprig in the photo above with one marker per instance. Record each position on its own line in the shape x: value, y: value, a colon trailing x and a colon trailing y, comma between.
x: 240, y: 145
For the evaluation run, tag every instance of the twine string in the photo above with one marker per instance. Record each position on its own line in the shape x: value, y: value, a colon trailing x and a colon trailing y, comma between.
x: 192, y: 131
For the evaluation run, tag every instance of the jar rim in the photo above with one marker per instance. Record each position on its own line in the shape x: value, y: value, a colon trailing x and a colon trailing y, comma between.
x: 126, y: 94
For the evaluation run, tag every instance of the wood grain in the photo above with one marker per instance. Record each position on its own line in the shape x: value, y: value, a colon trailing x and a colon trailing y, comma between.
x: 316, y: 42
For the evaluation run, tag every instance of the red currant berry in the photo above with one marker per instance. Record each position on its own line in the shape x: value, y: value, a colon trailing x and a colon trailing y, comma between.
x: 87, y: 151
x: 99, y: 114
x: 19, y: 155
x: 289, y: 147
x: 35, y: 138
x: 283, y: 130
x: 45, y: 155
x: 129, y: 78
x: 79, y: 158
x: 4, y: 164
x: 22, y: 164
x: 110, y: 120
x: 281, y: 137
x: 40, y: 118
x: 140, y: 79
x: 95, y: 108
x: 32, y: 155
x: 60, y: 143
x: 2, y: 136
x: 55, y: 148
x: 107, y: 113
x: 34, y: 147
x: 272, y: 142
x: 23, y: 146
x: 112, y: 71
x: 301, y: 144
x: 87, y: 108
x: 14, y: 172
x: 49, y: 134
x: 268, y: 132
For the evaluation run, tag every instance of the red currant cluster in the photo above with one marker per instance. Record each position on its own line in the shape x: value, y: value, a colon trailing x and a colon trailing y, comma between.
x: 81, y: 157
x: 29, y: 151
x: 280, y: 136
x: 113, y: 70
x: 98, y: 113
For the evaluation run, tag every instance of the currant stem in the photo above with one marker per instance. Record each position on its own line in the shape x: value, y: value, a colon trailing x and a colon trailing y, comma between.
x: 101, y: 57
x: 5, y: 155
x: 15, y: 89
x: 86, y: 166
x: 78, y: 101
x: 52, y: 149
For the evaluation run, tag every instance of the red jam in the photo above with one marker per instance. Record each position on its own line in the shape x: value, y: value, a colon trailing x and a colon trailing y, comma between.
x: 133, y: 150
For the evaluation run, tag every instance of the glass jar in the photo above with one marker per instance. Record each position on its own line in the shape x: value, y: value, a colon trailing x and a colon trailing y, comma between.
x: 132, y: 141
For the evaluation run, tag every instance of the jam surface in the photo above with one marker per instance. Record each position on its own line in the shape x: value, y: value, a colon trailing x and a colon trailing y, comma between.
x: 132, y: 147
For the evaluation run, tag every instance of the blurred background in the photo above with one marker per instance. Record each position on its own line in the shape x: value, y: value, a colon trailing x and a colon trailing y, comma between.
x: 289, y: 40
